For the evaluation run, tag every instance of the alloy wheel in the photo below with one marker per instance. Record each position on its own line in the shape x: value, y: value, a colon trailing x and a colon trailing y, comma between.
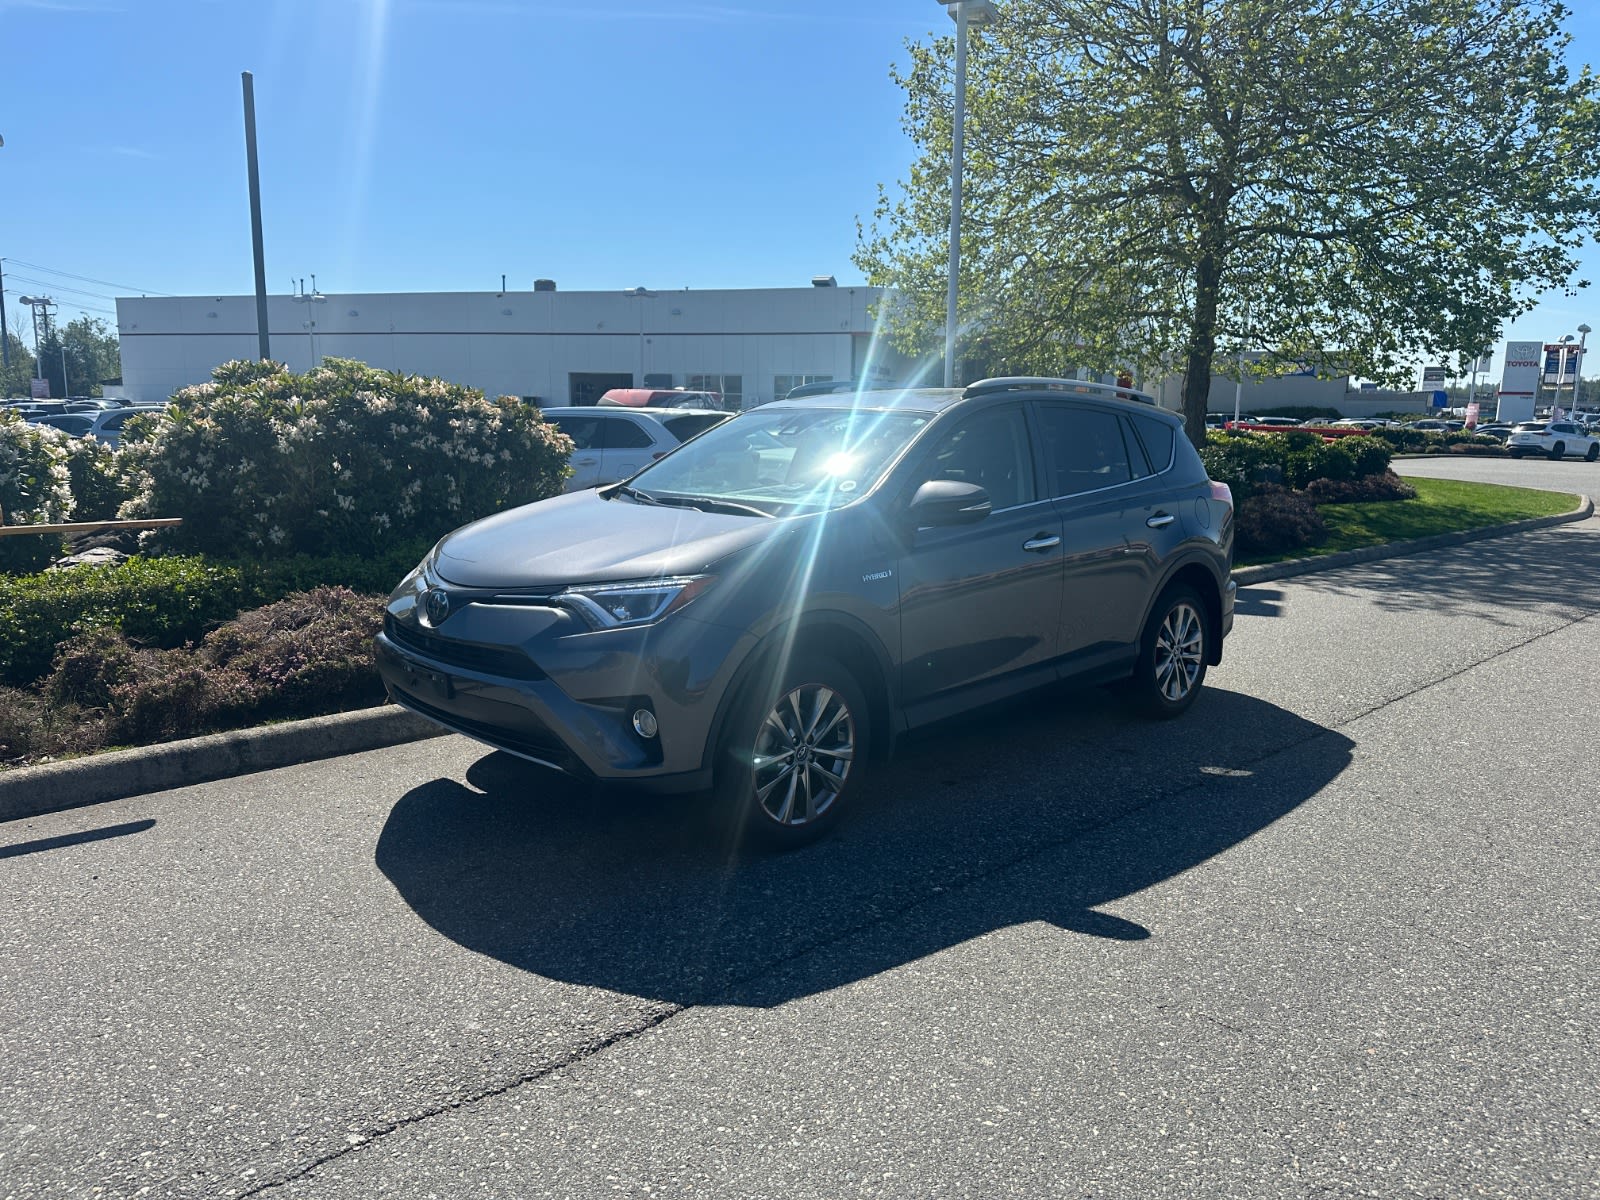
x: 803, y: 754
x: 1180, y: 652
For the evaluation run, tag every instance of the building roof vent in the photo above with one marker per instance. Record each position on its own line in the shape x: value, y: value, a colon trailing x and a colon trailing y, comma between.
x: 824, y: 281
x: 544, y: 285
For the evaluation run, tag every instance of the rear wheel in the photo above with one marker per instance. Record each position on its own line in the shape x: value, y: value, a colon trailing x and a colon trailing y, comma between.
x: 1172, y: 654
x: 1516, y: 453
x: 1558, y: 451
x: 794, y: 755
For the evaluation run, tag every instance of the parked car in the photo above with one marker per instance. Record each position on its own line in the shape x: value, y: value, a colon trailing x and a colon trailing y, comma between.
x: 1493, y: 430
x: 1432, y: 425
x: 764, y: 611
x: 666, y: 398
x: 102, y: 424
x: 1279, y: 422
x: 829, y: 387
x: 611, y: 444
x: 1553, y: 439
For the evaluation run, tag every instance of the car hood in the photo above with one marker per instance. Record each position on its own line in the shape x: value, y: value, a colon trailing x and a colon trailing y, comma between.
x: 583, y: 538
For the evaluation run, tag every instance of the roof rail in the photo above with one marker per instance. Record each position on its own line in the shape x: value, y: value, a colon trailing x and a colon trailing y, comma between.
x: 1033, y: 383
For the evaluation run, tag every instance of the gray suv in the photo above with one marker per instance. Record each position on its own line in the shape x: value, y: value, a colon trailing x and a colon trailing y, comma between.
x: 764, y: 611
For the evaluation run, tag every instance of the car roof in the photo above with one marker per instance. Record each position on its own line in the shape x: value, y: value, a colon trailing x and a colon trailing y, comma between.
x: 929, y: 399
x: 623, y: 410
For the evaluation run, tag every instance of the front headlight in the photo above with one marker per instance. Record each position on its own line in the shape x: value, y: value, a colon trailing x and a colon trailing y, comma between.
x: 610, y: 605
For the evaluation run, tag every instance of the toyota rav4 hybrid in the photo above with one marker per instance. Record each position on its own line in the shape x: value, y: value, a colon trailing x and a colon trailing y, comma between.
x: 762, y: 613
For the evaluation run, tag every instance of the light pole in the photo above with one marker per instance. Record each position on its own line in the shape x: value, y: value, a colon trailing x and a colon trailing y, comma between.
x: 963, y: 13
x: 1577, y: 373
x: 312, y: 297
x: 641, y: 293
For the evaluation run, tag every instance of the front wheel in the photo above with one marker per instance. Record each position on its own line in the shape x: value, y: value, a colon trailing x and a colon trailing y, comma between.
x: 793, y: 759
x: 1594, y: 453
x: 1172, y: 654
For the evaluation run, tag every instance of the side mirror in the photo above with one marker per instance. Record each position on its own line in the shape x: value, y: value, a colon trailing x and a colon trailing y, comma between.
x: 949, y: 502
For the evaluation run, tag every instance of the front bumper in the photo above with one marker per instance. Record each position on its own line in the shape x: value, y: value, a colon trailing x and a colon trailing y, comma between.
x: 540, y: 684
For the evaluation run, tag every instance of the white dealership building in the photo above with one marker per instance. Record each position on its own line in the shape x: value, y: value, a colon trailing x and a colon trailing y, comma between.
x: 546, y: 345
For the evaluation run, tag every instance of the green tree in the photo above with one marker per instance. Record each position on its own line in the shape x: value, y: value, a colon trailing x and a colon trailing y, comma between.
x: 14, y: 379
x: 92, y: 355
x: 1149, y: 183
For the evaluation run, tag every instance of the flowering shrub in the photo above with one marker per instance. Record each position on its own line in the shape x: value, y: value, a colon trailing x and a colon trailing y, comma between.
x: 34, y: 490
x: 96, y: 479
x: 343, y: 458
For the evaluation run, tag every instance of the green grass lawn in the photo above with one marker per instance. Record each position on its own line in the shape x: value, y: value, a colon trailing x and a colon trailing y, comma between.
x: 1441, y: 506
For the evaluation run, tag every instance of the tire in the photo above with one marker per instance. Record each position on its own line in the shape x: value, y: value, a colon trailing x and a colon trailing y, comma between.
x: 1172, y: 654
x: 1515, y: 453
x: 1594, y: 453
x: 813, y: 717
x: 1558, y: 452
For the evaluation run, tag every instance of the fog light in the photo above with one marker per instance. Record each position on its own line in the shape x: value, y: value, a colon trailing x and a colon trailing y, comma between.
x: 644, y: 723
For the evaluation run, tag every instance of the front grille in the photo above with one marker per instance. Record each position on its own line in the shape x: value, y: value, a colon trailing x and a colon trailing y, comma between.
x: 536, y: 742
x: 469, y: 656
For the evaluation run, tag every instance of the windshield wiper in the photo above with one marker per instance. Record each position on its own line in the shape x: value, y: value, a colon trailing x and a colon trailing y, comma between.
x: 634, y: 493
x: 715, y: 504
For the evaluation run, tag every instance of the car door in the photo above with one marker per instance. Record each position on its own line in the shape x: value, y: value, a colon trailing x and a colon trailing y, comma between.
x: 627, y: 446
x: 1107, y: 496
x: 979, y: 603
x: 585, y: 431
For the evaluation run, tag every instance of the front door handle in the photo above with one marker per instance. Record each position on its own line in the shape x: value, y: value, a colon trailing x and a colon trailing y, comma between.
x: 1041, y: 542
x: 584, y: 462
x: 1161, y: 520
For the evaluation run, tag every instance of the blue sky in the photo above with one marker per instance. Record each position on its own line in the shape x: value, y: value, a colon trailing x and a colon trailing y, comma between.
x: 434, y: 145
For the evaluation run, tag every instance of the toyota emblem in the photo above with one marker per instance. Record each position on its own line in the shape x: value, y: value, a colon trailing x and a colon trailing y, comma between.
x: 436, y: 606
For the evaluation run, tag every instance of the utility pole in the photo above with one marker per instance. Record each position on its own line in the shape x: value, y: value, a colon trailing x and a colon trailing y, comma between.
x: 5, y: 334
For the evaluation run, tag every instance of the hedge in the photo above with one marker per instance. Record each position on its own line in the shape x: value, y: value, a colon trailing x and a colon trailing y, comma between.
x: 165, y: 602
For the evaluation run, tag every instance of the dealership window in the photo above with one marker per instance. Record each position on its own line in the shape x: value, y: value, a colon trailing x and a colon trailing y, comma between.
x: 782, y: 385
x: 731, y: 386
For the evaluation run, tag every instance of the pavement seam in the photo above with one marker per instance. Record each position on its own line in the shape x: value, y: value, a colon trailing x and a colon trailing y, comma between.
x: 656, y: 1015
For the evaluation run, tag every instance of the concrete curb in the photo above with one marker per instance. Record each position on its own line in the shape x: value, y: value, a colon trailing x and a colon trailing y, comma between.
x: 51, y: 787
x: 1245, y: 576
x: 118, y: 774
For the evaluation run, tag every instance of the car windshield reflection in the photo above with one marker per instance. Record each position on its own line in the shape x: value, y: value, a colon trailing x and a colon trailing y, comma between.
x: 788, y: 460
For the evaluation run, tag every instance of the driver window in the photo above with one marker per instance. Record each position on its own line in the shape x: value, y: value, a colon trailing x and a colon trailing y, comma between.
x: 992, y: 451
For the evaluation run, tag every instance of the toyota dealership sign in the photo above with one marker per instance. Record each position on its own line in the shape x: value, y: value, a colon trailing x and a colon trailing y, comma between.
x: 1519, y: 381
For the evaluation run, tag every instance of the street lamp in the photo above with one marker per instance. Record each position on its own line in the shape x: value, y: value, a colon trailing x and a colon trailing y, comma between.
x: 963, y: 13
x: 1577, y: 374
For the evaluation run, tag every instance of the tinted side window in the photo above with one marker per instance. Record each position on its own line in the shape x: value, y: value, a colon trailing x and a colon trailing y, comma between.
x: 992, y: 451
x: 1138, y: 463
x: 1084, y: 448
x: 687, y: 426
x: 623, y: 434
x: 1157, y: 437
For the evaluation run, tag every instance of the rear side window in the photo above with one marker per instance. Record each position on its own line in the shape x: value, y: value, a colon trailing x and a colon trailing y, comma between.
x: 623, y: 434
x: 1084, y: 448
x: 1157, y: 437
x: 689, y: 424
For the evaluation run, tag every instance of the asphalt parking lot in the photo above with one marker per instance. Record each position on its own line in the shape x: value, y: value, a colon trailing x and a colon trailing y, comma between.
x: 1330, y: 935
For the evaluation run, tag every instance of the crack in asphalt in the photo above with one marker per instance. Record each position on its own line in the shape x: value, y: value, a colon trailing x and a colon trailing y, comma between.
x: 660, y: 1014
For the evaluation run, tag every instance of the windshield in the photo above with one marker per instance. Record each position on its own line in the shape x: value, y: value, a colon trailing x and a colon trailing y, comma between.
x: 785, y: 460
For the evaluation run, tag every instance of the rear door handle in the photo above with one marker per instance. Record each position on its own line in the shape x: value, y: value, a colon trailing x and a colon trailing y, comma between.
x: 1161, y: 520
x: 1041, y: 543
x: 584, y: 462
